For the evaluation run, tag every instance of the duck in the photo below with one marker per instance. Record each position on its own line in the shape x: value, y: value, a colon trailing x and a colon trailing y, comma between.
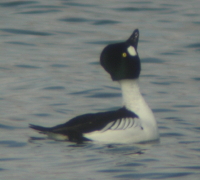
x: 134, y: 122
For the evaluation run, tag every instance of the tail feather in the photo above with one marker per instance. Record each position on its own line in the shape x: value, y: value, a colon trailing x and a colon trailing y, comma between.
x: 39, y: 128
x: 69, y: 135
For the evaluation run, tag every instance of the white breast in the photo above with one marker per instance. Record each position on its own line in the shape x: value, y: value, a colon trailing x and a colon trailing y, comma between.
x: 132, y: 100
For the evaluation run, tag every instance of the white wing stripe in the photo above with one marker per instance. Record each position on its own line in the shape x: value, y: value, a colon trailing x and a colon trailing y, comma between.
x: 132, y: 122
x: 127, y: 123
x: 116, y: 124
x: 108, y: 126
x: 123, y: 123
x: 120, y: 124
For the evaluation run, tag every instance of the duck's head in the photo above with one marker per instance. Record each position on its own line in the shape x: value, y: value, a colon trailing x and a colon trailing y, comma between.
x: 121, y: 60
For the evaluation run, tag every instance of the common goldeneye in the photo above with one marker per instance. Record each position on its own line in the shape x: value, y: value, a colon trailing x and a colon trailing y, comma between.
x: 133, y: 123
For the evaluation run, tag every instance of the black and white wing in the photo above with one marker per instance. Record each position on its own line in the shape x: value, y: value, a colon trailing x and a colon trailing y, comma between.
x: 103, y: 121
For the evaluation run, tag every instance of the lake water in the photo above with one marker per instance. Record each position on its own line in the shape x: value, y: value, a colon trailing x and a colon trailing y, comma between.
x: 50, y: 72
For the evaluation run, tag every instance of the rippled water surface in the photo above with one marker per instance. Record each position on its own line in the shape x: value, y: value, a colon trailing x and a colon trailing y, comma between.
x: 50, y: 72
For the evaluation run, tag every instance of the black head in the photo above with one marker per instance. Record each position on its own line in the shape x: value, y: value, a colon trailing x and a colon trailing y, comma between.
x: 121, y: 60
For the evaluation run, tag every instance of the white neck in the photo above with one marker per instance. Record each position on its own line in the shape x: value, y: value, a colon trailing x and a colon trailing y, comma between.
x: 133, y: 99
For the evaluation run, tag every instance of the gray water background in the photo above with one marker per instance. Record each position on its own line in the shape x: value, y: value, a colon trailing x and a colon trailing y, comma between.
x: 50, y: 72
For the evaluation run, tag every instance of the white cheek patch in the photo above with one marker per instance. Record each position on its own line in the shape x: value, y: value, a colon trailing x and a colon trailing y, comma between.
x: 131, y: 51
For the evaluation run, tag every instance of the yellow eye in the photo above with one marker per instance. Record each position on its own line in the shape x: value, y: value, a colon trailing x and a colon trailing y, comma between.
x: 124, y: 54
